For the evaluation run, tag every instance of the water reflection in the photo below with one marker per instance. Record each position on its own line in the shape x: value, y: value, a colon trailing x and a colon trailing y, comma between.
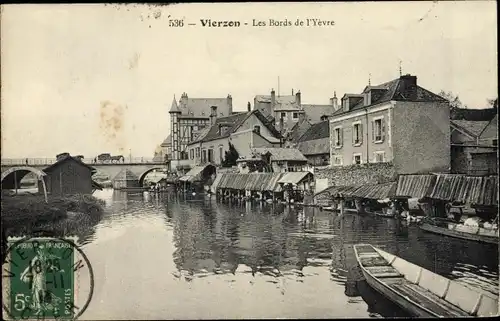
x: 306, y: 255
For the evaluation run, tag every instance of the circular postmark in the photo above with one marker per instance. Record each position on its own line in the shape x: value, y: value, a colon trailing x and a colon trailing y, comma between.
x: 41, y: 278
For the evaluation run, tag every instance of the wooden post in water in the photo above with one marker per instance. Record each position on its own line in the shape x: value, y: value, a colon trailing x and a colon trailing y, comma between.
x: 342, y: 207
x: 15, y: 181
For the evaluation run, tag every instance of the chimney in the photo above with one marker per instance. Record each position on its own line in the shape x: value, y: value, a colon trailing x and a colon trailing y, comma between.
x: 273, y: 99
x: 297, y: 98
x: 213, y: 115
x: 249, y: 107
x: 302, y: 117
x: 345, y: 103
x: 183, y: 101
x: 334, y: 101
x: 408, y: 86
x: 367, y: 98
x: 229, y: 104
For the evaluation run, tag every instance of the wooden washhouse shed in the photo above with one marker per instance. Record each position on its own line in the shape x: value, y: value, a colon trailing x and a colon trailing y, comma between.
x: 68, y: 176
x: 126, y: 179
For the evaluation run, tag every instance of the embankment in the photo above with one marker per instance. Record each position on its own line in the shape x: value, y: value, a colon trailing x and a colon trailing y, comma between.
x: 30, y: 211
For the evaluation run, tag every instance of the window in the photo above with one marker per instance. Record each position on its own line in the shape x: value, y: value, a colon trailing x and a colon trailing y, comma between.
x: 356, y: 159
x: 379, y: 157
x: 337, y: 160
x: 495, y: 142
x: 256, y: 129
x: 221, y: 154
x: 378, y: 130
x: 210, y: 155
x: 197, y: 152
x: 295, y: 115
x: 338, y: 137
x: 357, y: 134
x: 191, y: 154
x: 283, y: 115
x: 204, y: 156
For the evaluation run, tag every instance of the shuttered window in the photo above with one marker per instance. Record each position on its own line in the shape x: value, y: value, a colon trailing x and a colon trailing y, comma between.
x: 378, y: 130
x: 338, y: 137
x: 357, y: 134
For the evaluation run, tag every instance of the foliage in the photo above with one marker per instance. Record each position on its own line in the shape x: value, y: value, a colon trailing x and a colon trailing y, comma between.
x: 493, y: 102
x: 453, y: 99
x: 259, y: 165
x: 31, y: 209
x: 231, y: 156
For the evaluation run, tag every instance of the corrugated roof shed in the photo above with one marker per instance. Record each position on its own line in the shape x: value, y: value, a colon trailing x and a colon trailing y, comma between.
x: 377, y: 191
x: 294, y: 177
x: 415, y: 186
x: 466, y: 189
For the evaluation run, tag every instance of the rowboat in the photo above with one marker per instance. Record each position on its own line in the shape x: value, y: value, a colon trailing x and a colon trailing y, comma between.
x: 419, y: 291
x: 452, y: 229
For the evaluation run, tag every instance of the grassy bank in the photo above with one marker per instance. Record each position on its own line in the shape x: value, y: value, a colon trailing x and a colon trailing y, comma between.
x: 29, y: 210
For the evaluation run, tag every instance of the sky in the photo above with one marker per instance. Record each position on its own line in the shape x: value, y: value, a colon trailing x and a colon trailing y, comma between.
x: 91, y: 79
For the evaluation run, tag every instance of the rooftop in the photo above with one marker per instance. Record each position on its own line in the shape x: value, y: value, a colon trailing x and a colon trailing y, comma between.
x: 316, y: 131
x: 200, y: 107
x: 232, y: 123
x: 282, y: 154
x: 394, y: 90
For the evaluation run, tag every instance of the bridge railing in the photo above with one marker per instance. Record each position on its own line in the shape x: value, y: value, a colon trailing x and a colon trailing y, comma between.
x: 50, y: 161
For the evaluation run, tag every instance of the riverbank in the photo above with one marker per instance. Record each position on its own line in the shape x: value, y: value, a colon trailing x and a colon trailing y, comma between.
x: 32, y: 210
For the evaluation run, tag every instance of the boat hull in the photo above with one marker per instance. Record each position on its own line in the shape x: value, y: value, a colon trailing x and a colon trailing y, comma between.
x: 381, y: 288
x: 458, y: 234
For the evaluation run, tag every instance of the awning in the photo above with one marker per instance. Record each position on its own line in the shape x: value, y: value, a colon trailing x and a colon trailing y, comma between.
x: 477, y: 190
x: 377, y: 191
x: 250, y: 182
x: 293, y: 177
x: 415, y: 186
x: 339, y: 191
x: 96, y: 185
x: 194, y: 174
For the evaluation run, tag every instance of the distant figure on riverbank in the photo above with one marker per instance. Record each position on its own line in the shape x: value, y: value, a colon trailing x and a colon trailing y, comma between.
x: 26, y: 161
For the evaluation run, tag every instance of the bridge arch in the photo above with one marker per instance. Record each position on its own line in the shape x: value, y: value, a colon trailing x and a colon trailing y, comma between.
x: 143, y: 175
x: 12, y: 177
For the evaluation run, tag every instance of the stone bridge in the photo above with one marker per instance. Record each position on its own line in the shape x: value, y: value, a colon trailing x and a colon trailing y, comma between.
x: 139, y: 166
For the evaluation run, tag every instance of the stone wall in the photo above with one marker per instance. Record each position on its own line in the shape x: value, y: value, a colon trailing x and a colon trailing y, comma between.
x: 371, y: 173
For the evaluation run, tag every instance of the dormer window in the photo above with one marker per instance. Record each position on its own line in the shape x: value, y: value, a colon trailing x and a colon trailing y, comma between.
x: 256, y: 129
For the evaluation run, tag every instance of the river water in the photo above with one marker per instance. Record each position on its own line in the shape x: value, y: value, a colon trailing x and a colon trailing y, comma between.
x: 165, y: 257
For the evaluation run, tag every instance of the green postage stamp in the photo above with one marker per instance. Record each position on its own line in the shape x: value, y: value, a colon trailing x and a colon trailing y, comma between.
x: 40, y: 278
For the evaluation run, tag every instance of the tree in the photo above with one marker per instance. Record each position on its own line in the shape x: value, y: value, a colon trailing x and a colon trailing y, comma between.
x: 453, y: 99
x: 493, y: 103
x: 230, y: 157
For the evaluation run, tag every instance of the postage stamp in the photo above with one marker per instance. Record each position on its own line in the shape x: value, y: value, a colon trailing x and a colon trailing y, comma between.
x: 41, y: 277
